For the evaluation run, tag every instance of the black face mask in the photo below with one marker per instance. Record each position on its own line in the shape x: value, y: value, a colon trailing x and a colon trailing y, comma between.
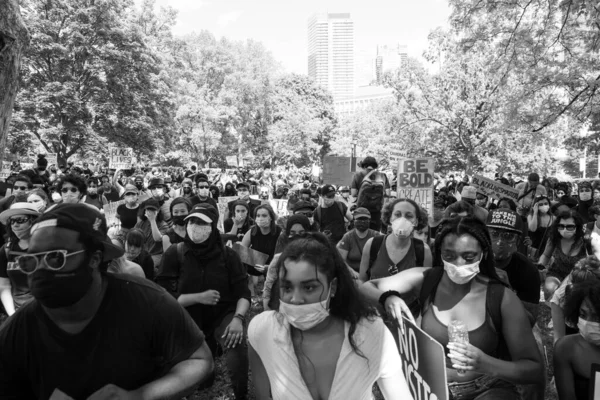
x: 179, y: 220
x: 361, y: 226
x: 60, y: 289
x: 139, y: 185
x: 187, y: 190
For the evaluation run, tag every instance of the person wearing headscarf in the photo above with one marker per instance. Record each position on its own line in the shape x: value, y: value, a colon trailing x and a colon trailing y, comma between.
x: 209, y: 280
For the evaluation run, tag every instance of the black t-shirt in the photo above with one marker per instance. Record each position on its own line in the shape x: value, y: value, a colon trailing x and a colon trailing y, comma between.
x: 524, y: 278
x: 137, y: 335
x: 128, y: 216
x: 209, y: 200
x: 111, y: 196
x: 333, y: 219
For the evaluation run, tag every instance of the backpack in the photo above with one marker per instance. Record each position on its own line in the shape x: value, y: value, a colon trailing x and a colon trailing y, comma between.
x: 371, y: 192
x: 318, y: 211
x: 376, y: 247
x: 494, y: 295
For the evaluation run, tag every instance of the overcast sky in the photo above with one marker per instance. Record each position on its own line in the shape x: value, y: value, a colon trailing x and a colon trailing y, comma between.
x: 281, y: 25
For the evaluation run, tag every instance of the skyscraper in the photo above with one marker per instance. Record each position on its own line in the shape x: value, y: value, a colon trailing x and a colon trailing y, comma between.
x: 331, y: 53
x: 389, y: 58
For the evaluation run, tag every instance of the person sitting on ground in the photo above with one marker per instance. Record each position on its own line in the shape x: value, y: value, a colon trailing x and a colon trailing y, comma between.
x: 239, y: 224
x: 352, y: 244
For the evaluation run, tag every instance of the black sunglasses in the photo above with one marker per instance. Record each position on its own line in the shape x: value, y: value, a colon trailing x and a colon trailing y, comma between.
x: 71, y: 189
x: 570, y: 227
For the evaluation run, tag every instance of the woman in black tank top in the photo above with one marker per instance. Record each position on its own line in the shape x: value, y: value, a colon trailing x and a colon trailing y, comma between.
x: 463, y: 285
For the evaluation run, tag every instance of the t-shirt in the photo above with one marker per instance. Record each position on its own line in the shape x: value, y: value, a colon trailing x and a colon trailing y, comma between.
x: 524, y: 278
x: 137, y: 335
x: 128, y: 216
x: 269, y: 335
x: 19, y: 287
x: 332, y: 219
x: 111, y: 196
x: 209, y: 200
x: 354, y: 246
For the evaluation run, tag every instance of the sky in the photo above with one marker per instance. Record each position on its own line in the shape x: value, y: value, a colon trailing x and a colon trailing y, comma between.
x: 281, y: 25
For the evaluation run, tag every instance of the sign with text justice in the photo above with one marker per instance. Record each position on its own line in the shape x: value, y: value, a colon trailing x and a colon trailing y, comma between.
x: 423, y: 363
x: 415, y: 181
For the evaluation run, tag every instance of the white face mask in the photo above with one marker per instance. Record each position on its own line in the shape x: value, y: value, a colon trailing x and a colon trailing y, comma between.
x: 590, y: 331
x: 566, y: 234
x: 263, y: 222
x: 463, y: 274
x: 402, y: 227
x: 585, y: 196
x: 198, y: 233
x: 56, y: 197
x: 203, y: 192
x: 305, y: 316
x: 544, y: 209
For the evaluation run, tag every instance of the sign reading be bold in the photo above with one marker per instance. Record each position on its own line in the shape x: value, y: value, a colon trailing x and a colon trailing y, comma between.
x: 415, y: 181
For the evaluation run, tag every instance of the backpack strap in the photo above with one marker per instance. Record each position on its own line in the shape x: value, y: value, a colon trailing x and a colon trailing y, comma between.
x: 431, y: 280
x: 375, y: 248
x: 419, y: 251
x: 318, y: 214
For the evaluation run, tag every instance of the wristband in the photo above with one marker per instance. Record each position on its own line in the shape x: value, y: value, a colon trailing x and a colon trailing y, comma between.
x: 387, y: 294
x: 240, y: 317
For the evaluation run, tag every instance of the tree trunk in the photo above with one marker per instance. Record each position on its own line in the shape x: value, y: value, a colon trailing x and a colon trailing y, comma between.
x: 14, y: 39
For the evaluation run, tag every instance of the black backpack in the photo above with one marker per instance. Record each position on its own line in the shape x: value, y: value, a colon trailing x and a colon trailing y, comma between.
x: 371, y: 192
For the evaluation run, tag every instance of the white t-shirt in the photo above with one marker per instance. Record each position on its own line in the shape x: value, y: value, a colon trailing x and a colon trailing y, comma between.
x: 354, y: 376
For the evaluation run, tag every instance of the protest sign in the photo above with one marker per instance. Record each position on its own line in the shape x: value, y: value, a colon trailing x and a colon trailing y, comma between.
x: 5, y: 171
x: 110, y: 212
x: 337, y: 170
x: 52, y: 159
x: 250, y: 256
x: 395, y: 155
x: 423, y: 363
x: 415, y: 181
x: 232, y: 161
x: 279, y: 206
x: 120, y: 157
x: 493, y: 188
x: 222, y: 205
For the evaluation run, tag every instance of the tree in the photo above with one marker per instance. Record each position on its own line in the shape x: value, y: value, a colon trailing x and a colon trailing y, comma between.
x: 14, y: 39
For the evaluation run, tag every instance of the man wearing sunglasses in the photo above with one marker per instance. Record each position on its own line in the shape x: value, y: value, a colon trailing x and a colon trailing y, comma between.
x: 89, y: 333
x: 203, y: 193
x: 22, y: 184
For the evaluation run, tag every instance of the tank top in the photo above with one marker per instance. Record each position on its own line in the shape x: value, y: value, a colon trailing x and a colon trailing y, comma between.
x: 265, y: 243
x: 563, y: 263
x: 384, y: 267
x: 484, y: 337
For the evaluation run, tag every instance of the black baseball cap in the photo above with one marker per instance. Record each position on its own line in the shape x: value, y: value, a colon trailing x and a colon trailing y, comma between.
x: 327, y: 190
x: 82, y: 218
x: 242, y: 185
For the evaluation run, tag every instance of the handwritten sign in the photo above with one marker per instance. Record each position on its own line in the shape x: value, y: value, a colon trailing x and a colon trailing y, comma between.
x: 423, y: 363
x: 415, y: 181
x: 120, y: 157
x: 280, y: 207
x: 223, y: 210
x: 232, y: 161
x: 110, y: 212
x: 337, y: 170
x: 493, y: 188
x: 52, y: 159
x: 250, y: 256
x: 5, y: 171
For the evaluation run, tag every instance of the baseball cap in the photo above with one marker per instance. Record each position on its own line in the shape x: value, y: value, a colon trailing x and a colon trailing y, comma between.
x: 242, y: 185
x: 361, y: 212
x: 156, y: 182
x: 129, y: 188
x: 20, y: 208
x: 151, y: 203
x: 205, y: 212
x: 82, y: 218
x: 505, y: 218
x: 326, y: 190
x: 469, y: 192
x: 303, y: 205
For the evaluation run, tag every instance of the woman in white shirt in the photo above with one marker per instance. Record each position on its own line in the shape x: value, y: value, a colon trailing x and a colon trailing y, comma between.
x: 324, y: 342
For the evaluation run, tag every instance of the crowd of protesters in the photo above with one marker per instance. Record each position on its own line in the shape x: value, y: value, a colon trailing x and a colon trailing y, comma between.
x: 142, y: 307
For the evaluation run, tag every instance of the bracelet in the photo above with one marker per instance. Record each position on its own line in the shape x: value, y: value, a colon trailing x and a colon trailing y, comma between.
x: 387, y: 294
x: 240, y: 317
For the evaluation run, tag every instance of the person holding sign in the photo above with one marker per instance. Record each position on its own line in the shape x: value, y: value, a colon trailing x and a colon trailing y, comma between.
x: 324, y: 342
x: 464, y: 286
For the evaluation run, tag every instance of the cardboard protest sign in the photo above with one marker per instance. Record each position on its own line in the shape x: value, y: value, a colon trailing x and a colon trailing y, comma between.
x: 279, y: 206
x: 52, y: 159
x: 120, y: 157
x: 232, y: 161
x: 415, y: 181
x: 493, y: 188
x: 222, y: 205
x: 110, y: 212
x: 250, y: 256
x: 5, y: 171
x: 423, y: 363
x: 337, y: 170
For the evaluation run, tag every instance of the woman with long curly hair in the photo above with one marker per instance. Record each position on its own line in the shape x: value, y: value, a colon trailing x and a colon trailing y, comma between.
x: 463, y: 285
x: 329, y: 344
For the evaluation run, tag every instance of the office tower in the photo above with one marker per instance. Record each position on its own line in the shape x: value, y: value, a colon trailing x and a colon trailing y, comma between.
x: 389, y: 58
x: 331, y: 53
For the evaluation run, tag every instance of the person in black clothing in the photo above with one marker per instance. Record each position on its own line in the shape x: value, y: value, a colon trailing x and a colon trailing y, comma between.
x: 135, y: 252
x: 239, y: 223
x: 243, y: 191
x: 180, y: 208
x: 108, y: 190
x: 89, y: 333
x: 229, y: 190
x: 214, y: 192
x: 332, y: 215
x: 209, y: 280
x: 203, y: 194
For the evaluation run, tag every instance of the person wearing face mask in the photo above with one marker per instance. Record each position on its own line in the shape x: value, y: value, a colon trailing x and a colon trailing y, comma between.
x: 564, y: 248
x: 150, y: 344
x: 321, y: 308
x: 14, y: 289
x: 127, y: 213
x: 71, y: 188
x: 331, y: 215
x: 203, y: 194
x: 261, y: 237
x: 136, y: 260
x: 469, y: 195
x: 92, y: 196
x: 574, y: 355
x: 208, y: 279
x: 528, y: 192
x: 387, y: 255
x: 464, y: 285
x: 539, y: 222
x: 352, y: 244
x: 21, y: 186
x: 187, y: 189
x: 586, y: 201
x: 180, y: 208
x: 229, y: 190
x: 239, y: 224
x: 156, y: 188
x: 139, y: 184
x: 39, y: 199
x: 307, y: 209
x: 243, y: 193
x: 154, y: 228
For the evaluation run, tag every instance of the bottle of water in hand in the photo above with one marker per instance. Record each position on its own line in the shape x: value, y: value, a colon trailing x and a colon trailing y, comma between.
x: 458, y: 333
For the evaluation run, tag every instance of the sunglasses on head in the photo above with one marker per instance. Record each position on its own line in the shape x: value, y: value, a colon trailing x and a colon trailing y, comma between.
x: 55, y: 260
x: 18, y: 220
x: 71, y: 189
x: 570, y: 227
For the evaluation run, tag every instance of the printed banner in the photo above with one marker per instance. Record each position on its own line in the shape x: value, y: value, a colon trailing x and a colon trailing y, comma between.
x: 337, y: 170
x: 415, y: 181
x: 423, y: 363
x: 493, y: 188
x: 250, y: 256
x: 222, y: 205
x: 120, y: 157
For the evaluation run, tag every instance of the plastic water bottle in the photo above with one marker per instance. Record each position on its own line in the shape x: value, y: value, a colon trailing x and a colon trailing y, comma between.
x: 458, y: 333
